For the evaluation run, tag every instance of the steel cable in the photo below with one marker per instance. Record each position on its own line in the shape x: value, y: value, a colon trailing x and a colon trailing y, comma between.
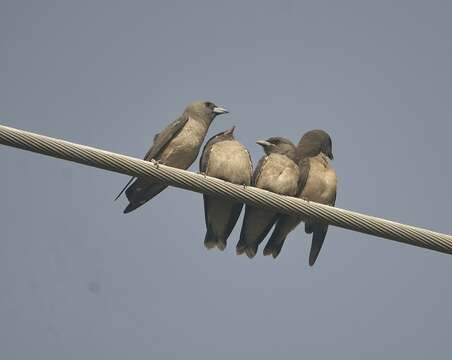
x: 203, y: 184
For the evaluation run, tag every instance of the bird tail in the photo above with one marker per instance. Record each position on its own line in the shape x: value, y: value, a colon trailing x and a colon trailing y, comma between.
x: 244, y: 246
x: 211, y: 241
x: 131, y: 207
x: 276, y: 242
x: 256, y: 225
x: 124, y: 189
x: 283, y: 227
x: 141, y: 192
x: 240, y: 248
x: 318, y: 237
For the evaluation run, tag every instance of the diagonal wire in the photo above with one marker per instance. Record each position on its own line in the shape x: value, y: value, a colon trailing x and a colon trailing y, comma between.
x: 203, y: 184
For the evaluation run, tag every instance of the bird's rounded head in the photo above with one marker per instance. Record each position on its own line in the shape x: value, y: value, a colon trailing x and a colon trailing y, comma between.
x: 313, y: 143
x: 204, y: 110
x: 278, y: 145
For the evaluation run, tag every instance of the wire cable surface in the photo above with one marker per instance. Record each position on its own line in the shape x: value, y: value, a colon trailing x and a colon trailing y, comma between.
x: 204, y: 184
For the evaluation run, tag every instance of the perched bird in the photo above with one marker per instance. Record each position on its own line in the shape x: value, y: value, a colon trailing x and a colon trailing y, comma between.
x: 177, y: 145
x: 276, y: 172
x: 225, y: 158
x: 317, y: 183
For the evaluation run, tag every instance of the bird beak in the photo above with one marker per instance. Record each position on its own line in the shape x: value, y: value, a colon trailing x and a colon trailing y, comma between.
x: 230, y: 131
x: 219, y: 110
x: 263, y: 143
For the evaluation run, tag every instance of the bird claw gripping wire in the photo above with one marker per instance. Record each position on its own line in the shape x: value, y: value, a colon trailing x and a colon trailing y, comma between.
x: 156, y: 163
x: 259, y: 198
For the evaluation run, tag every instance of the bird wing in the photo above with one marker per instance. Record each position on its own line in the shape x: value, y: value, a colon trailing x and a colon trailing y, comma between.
x: 304, y: 166
x: 160, y: 141
x: 318, y: 230
x: 258, y: 170
x: 205, y: 155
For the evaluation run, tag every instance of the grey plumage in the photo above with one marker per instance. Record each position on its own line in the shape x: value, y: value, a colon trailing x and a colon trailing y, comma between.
x: 225, y: 158
x: 177, y: 145
x: 276, y: 172
x: 317, y: 183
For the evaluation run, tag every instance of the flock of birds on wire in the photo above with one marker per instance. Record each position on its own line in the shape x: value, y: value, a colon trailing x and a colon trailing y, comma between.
x: 303, y: 171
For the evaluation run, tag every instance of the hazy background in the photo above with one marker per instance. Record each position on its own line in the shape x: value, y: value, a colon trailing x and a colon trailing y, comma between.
x: 80, y: 280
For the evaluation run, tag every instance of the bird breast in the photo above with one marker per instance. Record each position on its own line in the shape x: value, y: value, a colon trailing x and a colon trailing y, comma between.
x: 184, y: 148
x: 279, y: 174
x: 229, y: 160
x: 322, y: 181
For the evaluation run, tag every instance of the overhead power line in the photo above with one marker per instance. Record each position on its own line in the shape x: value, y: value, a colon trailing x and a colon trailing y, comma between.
x: 203, y: 184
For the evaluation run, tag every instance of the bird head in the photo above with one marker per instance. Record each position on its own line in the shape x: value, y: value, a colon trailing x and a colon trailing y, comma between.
x: 313, y: 143
x: 278, y: 145
x: 204, y: 110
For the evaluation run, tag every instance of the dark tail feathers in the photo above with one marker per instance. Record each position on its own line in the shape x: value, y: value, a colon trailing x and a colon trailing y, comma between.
x: 211, y: 240
x: 276, y: 242
x: 124, y: 189
x: 141, y: 192
x: 318, y: 237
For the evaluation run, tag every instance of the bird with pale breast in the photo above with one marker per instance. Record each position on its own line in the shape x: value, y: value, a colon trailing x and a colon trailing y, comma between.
x: 225, y: 158
x: 318, y: 183
x: 177, y: 146
x: 276, y: 172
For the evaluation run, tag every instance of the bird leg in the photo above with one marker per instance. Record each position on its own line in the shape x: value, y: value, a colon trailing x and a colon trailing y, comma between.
x: 156, y: 162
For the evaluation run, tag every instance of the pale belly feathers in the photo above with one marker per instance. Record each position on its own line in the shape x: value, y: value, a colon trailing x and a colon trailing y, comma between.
x: 321, y: 183
x: 184, y: 148
x: 279, y: 174
x: 229, y: 160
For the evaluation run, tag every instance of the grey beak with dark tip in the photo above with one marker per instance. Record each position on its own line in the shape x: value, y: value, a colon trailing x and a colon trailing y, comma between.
x: 219, y: 110
x: 264, y: 143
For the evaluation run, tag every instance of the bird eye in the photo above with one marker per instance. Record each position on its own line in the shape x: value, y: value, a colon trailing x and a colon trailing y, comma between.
x: 209, y: 105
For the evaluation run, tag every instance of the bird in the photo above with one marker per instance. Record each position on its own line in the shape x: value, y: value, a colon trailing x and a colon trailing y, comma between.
x: 177, y: 146
x: 318, y: 183
x: 277, y: 172
x: 225, y: 158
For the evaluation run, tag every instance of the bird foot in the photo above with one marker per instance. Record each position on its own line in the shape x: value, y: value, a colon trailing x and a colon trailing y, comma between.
x: 244, y: 186
x: 156, y: 162
x: 203, y: 174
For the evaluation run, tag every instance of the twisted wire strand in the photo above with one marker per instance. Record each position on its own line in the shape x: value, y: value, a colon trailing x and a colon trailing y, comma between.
x: 204, y: 184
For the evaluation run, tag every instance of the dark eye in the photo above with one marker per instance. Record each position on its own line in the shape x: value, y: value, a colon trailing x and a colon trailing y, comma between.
x: 210, y: 105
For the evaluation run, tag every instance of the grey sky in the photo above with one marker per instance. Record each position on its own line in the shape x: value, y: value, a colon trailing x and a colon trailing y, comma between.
x: 79, y: 280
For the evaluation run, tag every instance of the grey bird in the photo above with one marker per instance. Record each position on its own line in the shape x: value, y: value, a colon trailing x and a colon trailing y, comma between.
x: 177, y: 146
x: 318, y: 183
x: 277, y: 172
x: 225, y: 158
